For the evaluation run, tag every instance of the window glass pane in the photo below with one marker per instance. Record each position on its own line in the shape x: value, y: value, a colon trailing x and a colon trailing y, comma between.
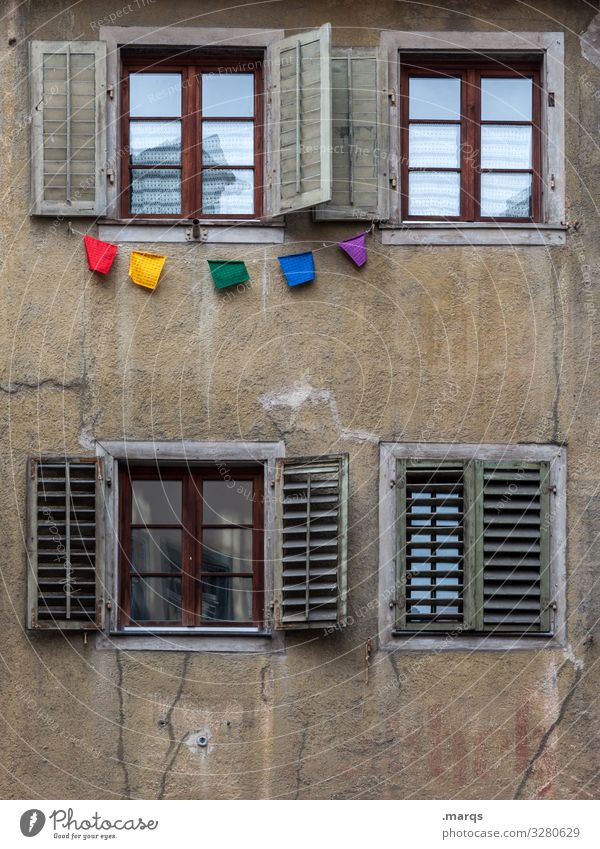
x: 226, y: 192
x: 433, y: 193
x: 434, y: 145
x: 505, y: 146
x: 227, y: 599
x: 155, y: 599
x: 506, y: 99
x: 434, y: 97
x: 156, y: 502
x: 227, y: 550
x: 227, y: 143
x: 158, y: 550
x: 227, y: 95
x: 155, y: 142
x: 155, y: 191
x: 154, y: 95
x: 506, y: 195
x: 227, y: 501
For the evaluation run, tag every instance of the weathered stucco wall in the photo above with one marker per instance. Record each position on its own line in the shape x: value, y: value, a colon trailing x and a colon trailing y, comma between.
x: 397, y: 351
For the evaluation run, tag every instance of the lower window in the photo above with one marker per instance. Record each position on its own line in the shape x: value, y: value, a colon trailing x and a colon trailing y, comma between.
x: 477, y: 544
x: 191, y: 547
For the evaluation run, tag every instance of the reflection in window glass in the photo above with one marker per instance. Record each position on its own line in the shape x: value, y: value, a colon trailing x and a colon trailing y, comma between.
x: 156, y: 502
x: 227, y: 550
x: 154, y: 95
x: 155, y: 142
x: 506, y: 99
x: 226, y: 599
x: 155, y: 191
x: 228, y: 192
x: 227, y: 143
x: 506, y: 195
x: 227, y: 502
x: 156, y: 550
x: 155, y: 599
x: 434, y: 98
x: 227, y: 95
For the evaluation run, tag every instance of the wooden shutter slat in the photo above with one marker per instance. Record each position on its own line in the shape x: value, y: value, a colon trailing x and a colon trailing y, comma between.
x: 63, y: 585
x: 310, y: 586
x: 68, y: 146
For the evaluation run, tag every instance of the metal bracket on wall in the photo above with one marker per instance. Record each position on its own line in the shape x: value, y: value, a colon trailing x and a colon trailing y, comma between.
x: 196, y: 233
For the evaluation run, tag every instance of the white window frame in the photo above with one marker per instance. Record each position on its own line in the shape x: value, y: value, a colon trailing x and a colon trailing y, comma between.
x: 243, y: 231
x: 549, y: 46
x: 229, y: 639
x: 454, y: 639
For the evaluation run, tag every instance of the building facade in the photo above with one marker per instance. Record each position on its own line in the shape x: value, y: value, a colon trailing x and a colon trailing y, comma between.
x: 330, y: 540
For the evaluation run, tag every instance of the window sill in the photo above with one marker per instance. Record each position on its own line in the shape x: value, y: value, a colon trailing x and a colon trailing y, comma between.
x: 474, y: 234
x: 234, y: 232
x: 443, y: 642
x: 235, y: 640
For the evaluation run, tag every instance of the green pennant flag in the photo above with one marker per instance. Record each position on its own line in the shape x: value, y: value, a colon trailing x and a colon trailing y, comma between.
x: 225, y: 272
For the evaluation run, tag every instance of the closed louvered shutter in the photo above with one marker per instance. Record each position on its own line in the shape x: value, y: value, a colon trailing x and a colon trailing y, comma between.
x: 516, y: 546
x: 68, y: 146
x: 359, y: 133
x: 301, y: 117
x: 63, y: 585
x: 431, y: 544
x: 310, y: 577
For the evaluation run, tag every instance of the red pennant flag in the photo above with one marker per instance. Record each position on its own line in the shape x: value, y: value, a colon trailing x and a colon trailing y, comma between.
x: 100, y: 255
x: 356, y: 249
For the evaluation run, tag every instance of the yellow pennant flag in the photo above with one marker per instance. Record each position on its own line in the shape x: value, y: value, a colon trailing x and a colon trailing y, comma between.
x: 145, y: 268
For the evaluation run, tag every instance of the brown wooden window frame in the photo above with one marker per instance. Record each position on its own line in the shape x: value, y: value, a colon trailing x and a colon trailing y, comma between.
x: 191, y: 69
x: 470, y: 122
x: 192, y: 527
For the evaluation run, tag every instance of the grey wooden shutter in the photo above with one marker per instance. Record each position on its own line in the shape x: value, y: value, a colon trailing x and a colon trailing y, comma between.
x: 359, y: 135
x: 516, y: 546
x: 68, y: 144
x: 301, y: 118
x: 431, y: 540
x: 64, y: 586
x: 310, y: 575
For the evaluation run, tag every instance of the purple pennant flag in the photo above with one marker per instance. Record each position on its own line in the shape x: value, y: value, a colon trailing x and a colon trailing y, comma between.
x: 356, y: 249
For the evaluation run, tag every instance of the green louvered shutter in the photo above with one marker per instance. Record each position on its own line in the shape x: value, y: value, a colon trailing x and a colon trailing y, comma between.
x: 68, y: 127
x: 359, y: 135
x: 515, y: 578
x: 301, y: 121
x: 64, y: 584
x: 312, y: 527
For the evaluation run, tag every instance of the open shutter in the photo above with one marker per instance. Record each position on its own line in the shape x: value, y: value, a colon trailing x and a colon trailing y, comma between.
x: 312, y: 522
x: 516, y: 546
x: 68, y: 132
x: 301, y: 117
x: 359, y: 135
x: 64, y: 587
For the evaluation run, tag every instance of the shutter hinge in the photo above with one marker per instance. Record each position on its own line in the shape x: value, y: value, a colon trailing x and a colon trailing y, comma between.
x: 394, y: 181
x: 552, y: 182
x: 551, y: 489
x: 551, y: 98
x: 392, y: 96
x: 110, y: 90
x: 99, y: 468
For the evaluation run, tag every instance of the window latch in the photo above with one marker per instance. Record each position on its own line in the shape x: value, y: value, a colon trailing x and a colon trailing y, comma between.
x: 392, y: 96
x: 110, y: 176
x: 110, y: 91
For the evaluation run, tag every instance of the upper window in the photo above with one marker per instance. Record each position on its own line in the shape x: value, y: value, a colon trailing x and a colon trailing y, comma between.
x: 191, y: 547
x: 191, y: 133
x: 471, y: 142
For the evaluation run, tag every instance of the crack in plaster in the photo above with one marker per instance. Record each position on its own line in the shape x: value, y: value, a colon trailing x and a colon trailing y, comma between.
x: 174, y: 745
x: 543, y: 745
x: 121, y: 724
x: 23, y: 385
x: 303, y: 739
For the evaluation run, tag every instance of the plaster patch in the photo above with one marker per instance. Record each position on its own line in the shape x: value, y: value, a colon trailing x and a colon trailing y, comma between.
x: 590, y: 42
x: 295, y: 397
